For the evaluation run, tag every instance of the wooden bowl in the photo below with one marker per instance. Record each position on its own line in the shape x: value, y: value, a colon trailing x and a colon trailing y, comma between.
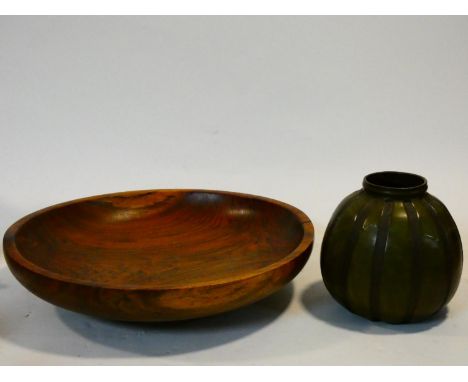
x: 159, y: 255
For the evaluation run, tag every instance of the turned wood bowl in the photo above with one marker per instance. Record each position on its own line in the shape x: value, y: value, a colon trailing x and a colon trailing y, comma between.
x: 159, y: 255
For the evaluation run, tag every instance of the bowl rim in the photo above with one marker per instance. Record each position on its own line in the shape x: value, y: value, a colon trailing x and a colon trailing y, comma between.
x: 11, y: 251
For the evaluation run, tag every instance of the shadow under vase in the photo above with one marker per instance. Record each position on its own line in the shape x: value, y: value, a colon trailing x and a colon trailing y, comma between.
x: 320, y: 304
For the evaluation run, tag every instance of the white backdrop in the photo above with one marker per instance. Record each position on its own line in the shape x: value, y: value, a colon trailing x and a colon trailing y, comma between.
x: 294, y: 108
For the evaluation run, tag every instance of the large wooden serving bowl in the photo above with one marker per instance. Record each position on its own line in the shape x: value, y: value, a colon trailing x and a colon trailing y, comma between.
x: 159, y: 255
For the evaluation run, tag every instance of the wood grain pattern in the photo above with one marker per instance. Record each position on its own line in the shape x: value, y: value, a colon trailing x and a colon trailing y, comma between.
x: 159, y: 255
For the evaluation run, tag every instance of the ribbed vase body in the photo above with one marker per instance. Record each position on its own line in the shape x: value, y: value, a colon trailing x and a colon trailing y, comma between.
x: 393, y: 258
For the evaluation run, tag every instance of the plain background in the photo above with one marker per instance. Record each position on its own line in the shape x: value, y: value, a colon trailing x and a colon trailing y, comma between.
x: 294, y: 108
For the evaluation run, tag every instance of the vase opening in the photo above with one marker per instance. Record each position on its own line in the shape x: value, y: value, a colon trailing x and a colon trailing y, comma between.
x: 393, y: 183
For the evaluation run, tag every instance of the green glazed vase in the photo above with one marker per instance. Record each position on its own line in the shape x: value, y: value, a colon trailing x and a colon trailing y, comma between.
x: 392, y: 252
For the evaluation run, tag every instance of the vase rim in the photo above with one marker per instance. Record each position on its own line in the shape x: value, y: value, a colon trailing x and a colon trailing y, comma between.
x: 395, y: 183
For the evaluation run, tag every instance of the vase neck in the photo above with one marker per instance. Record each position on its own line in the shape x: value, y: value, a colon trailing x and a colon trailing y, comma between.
x: 395, y: 184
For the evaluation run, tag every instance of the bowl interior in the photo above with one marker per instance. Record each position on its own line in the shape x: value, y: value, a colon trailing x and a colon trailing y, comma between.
x: 159, y: 239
